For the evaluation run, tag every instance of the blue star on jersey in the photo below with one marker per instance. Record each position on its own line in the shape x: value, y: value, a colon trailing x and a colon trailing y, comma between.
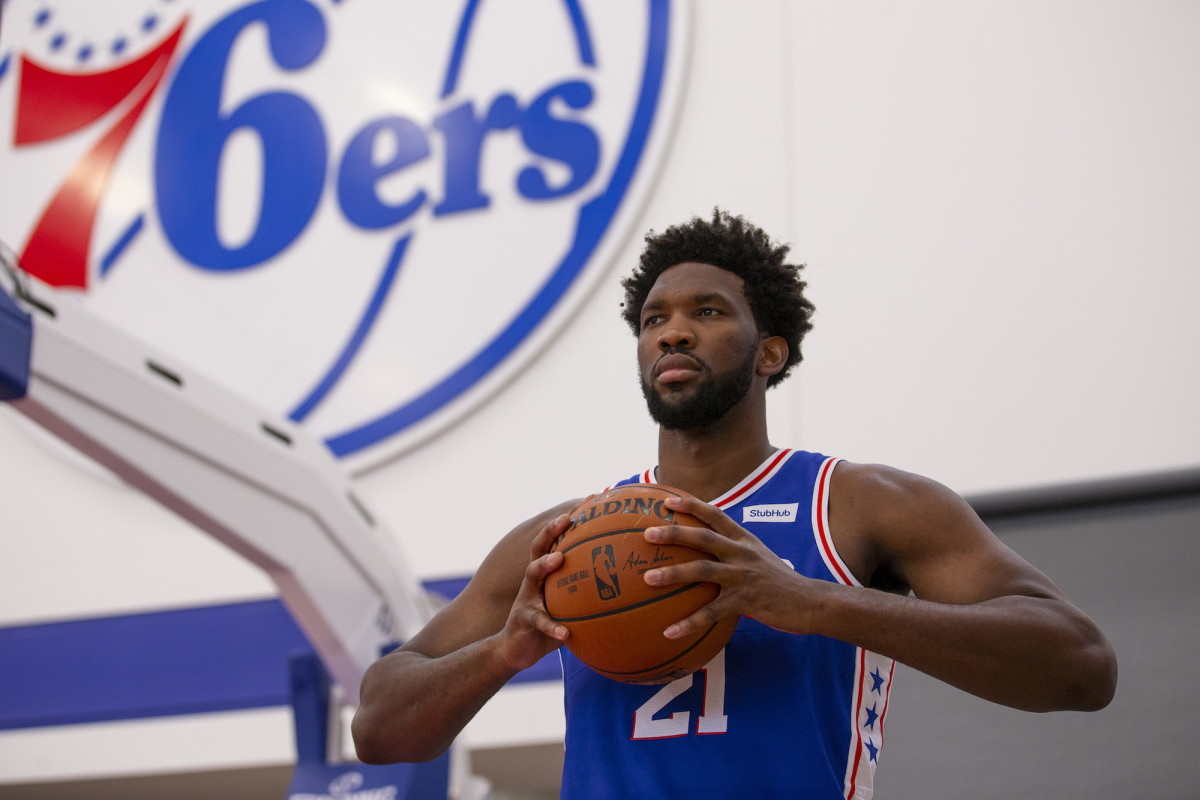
x: 872, y: 715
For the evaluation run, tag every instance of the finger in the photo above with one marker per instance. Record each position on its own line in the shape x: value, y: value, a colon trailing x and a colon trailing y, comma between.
x: 709, y: 514
x: 701, y: 570
x: 548, y: 535
x: 539, y: 568
x: 701, y: 620
x: 547, y: 626
x: 704, y: 539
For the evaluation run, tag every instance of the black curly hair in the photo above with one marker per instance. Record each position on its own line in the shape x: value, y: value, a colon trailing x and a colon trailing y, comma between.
x: 772, y: 287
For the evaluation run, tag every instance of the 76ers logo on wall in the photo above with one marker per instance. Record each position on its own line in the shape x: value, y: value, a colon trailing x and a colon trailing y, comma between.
x: 361, y: 213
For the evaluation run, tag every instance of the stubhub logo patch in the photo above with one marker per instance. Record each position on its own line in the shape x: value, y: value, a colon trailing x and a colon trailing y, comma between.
x: 778, y: 512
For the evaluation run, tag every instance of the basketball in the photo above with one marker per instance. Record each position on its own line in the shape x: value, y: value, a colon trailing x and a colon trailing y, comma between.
x: 615, y: 618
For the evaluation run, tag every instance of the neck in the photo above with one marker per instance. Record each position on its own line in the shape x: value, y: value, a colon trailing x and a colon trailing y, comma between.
x: 709, y: 461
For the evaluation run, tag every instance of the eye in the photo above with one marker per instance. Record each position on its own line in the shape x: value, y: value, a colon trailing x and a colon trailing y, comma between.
x: 708, y: 311
x: 653, y: 319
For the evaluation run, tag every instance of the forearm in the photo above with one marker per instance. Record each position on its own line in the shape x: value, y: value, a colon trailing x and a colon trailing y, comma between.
x: 413, y: 706
x: 1031, y: 653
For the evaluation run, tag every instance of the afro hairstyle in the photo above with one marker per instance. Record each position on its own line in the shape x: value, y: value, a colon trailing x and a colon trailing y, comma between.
x: 773, y: 288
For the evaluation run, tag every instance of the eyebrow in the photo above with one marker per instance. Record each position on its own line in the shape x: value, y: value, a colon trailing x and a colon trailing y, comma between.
x: 696, y: 299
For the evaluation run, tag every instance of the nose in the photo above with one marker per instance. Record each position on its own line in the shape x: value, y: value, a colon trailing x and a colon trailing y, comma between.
x: 676, y: 333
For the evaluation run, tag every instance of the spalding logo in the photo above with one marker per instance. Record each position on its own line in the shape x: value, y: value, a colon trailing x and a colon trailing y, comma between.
x: 364, y: 215
x: 639, y: 506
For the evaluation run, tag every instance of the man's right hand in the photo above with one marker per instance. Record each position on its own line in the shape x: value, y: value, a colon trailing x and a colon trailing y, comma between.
x: 415, y: 700
x: 530, y: 633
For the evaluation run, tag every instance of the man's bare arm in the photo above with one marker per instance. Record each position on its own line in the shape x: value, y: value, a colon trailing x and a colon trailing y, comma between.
x: 417, y: 699
x: 982, y: 618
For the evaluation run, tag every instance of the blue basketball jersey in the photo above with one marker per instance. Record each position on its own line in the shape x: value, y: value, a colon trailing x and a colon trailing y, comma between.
x: 773, y: 714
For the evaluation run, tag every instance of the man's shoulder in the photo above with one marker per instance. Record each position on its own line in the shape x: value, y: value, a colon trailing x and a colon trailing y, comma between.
x: 881, y: 515
x: 885, y: 486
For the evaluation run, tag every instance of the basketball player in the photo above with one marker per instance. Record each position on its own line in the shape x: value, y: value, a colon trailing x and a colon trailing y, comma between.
x: 855, y: 567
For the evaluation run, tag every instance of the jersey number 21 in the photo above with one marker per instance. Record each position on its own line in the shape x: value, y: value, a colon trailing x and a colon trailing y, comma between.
x: 712, y: 718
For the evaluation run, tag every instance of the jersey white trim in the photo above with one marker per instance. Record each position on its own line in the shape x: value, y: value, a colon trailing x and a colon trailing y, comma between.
x: 820, y: 526
x: 866, y: 740
x: 750, y: 484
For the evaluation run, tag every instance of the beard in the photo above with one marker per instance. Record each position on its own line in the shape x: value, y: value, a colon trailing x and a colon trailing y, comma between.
x: 710, y: 401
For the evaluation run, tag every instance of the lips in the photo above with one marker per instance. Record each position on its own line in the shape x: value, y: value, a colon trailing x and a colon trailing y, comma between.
x: 675, y: 367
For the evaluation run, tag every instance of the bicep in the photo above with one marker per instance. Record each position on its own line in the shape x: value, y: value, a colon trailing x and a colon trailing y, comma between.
x: 477, y: 612
x: 931, y: 539
x: 464, y: 620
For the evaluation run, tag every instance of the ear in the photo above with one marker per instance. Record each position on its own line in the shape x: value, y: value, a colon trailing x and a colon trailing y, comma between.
x: 772, y: 355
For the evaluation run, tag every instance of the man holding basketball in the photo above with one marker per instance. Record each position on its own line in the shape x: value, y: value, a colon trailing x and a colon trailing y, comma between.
x: 838, y: 570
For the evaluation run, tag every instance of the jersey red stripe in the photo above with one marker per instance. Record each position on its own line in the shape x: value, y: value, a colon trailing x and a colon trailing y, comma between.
x: 822, y: 530
x: 862, y: 678
x: 733, y: 498
x: 887, y: 698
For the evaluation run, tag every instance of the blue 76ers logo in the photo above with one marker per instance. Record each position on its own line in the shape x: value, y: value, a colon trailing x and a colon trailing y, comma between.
x: 361, y: 213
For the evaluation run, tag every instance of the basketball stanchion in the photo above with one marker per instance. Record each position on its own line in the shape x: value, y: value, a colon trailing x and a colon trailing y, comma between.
x: 242, y: 475
x: 16, y: 333
x: 233, y: 469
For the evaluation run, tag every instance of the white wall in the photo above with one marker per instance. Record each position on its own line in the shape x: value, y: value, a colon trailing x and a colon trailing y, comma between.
x: 997, y: 204
x: 997, y: 209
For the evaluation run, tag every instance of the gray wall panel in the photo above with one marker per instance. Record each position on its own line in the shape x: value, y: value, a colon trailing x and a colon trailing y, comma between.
x: 1132, y: 568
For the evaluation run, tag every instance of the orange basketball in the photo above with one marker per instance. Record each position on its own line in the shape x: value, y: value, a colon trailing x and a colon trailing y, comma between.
x: 616, y: 619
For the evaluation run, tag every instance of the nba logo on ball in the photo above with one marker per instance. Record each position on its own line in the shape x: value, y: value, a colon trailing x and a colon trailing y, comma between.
x: 604, y: 567
x: 364, y: 215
